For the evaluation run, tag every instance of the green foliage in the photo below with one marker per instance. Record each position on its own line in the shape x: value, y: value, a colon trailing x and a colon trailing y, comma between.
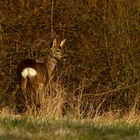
x: 30, y: 128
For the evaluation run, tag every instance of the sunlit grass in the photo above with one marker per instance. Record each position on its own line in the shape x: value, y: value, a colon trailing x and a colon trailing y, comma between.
x: 13, y: 127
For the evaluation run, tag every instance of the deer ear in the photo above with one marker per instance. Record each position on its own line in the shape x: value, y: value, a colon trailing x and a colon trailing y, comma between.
x: 54, y: 43
x: 62, y: 43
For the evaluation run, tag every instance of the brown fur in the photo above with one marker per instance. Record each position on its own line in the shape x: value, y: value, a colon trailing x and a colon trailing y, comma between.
x: 44, y: 70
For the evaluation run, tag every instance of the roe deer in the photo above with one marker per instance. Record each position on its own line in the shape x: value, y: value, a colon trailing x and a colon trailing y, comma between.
x: 35, y: 75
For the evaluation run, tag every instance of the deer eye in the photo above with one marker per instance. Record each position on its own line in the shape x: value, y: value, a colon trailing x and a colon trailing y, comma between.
x: 57, y: 50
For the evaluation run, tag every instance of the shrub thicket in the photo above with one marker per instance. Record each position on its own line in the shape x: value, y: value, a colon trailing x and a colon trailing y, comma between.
x: 102, y: 72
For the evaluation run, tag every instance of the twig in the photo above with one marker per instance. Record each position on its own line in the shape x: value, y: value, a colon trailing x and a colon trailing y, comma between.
x: 52, y: 9
x: 113, y: 90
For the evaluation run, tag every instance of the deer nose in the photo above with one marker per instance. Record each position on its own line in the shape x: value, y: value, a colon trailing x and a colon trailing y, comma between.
x: 64, y: 57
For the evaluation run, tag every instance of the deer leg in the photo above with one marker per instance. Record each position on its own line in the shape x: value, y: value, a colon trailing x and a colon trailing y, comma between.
x: 33, y: 95
x: 37, y: 102
x: 40, y: 94
x: 37, y: 92
x: 23, y: 84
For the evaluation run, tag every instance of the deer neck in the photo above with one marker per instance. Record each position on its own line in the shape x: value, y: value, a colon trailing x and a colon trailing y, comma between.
x: 50, y: 64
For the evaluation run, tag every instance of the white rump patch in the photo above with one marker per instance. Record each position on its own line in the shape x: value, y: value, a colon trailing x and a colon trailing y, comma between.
x: 29, y: 72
